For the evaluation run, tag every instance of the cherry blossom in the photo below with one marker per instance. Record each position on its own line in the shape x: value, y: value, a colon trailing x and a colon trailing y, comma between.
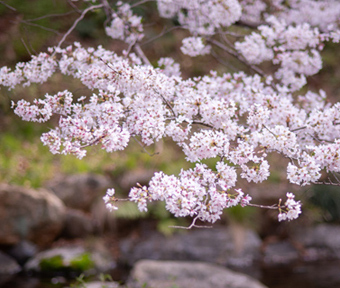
x: 238, y: 119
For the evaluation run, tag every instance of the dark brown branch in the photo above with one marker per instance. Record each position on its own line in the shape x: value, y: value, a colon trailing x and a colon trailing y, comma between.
x: 297, y: 129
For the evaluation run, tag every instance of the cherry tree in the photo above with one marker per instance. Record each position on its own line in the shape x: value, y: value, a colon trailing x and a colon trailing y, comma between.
x: 239, y: 118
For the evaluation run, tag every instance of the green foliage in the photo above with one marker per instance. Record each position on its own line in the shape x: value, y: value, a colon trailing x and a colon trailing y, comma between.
x: 23, y: 163
x: 54, y: 263
x: 80, y: 282
x: 165, y: 226
x: 82, y: 263
x: 33, y: 33
x: 327, y: 198
x: 275, y: 177
x: 105, y: 277
x: 128, y: 210
x: 165, y: 219
x: 240, y: 214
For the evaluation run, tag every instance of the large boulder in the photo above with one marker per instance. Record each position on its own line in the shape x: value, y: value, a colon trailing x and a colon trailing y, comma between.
x: 321, y: 241
x: 8, y: 265
x: 34, y: 215
x: 100, y: 284
x: 165, y: 274
x: 22, y: 251
x: 78, y: 258
x: 78, y: 224
x: 80, y: 190
x: 216, y: 245
x: 280, y: 253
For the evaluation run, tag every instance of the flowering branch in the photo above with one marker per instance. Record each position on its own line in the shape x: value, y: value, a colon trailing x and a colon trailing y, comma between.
x: 236, y: 118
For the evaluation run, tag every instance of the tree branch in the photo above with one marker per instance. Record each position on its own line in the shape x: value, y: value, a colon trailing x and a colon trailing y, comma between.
x: 8, y: 6
x: 77, y: 21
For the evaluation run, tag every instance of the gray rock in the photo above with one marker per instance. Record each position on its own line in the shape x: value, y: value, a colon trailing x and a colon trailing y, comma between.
x: 20, y: 281
x: 165, y: 274
x: 131, y: 177
x: 80, y: 190
x: 77, y: 224
x: 73, y: 258
x: 215, y: 245
x: 99, y: 284
x: 23, y: 251
x: 34, y: 215
x: 280, y: 253
x: 8, y: 265
x: 323, y: 239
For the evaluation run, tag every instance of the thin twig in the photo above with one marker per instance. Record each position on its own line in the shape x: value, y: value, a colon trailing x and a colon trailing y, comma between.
x: 29, y: 41
x: 108, y: 11
x: 203, y: 124
x: 218, y: 58
x: 122, y: 199
x: 164, y: 31
x: 74, y: 6
x: 321, y: 140
x: 236, y: 55
x: 326, y: 183
x: 77, y: 21
x: 39, y: 26
x: 336, y: 177
x: 273, y: 207
x: 141, y: 144
x: 249, y: 24
x: 141, y: 2
x: 50, y: 16
x: 297, y: 129
x: 141, y: 54
x: 191, y: 225
x: 270, y: 131
x: 8, y: 6
x: 23, y: 42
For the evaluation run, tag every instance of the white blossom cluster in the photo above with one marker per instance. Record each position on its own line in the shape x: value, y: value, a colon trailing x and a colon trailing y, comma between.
x: 198, y: 192
x: 238, y: 119
x: 110, y: 200
x: 193, y: 46
x: 125, y: 25
x: 169, y: 66
x: 324, y: 14
x: 291, y: 209
x: 201, y: 17
x: 240, y: 114
x: 294, y: 48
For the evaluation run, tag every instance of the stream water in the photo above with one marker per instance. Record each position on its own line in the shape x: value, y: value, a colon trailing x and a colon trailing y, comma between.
x: 312, y: 275
x: 324, y: 274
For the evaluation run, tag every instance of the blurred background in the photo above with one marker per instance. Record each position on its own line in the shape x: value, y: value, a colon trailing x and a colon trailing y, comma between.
x: 50, y: 202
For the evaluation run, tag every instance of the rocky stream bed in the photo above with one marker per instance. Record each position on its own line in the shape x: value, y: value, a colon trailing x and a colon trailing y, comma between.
x: 49, y: 237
